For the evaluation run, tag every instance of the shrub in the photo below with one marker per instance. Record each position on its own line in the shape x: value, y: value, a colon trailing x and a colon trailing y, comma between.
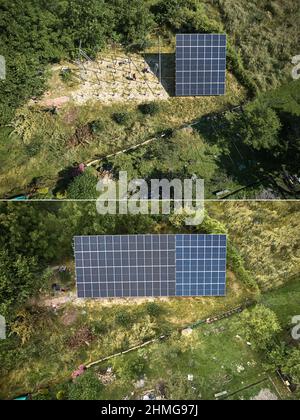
x: 99, y: 328
x: 86, y: 387
x: 259, y: 326
x: 130, y: 367
x: 121, y: 118
x: 83, y: 187
x: 32, y: 149
x: 96, y: 126
x: 123, y: 319
x: 150, y: 108
x: 153, y: 309
x: 66, y: 76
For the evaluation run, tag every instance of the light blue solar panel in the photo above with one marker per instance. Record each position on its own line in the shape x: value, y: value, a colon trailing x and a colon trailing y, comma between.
x: 201, y: 265
x: 200, y: 64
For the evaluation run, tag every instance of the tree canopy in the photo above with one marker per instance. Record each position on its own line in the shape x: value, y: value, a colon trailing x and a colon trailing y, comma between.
x: 83, y: 187
x: 18, y: 281
x: 259, y: 326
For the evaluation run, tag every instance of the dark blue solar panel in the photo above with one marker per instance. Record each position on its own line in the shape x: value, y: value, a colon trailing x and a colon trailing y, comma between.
x: 150, y: 265
x: 125, y: 266
x: 200, y: 65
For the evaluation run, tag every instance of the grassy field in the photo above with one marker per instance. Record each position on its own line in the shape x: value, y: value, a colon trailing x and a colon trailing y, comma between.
x: 46, y: 355
x: 54, y: 334
x: 284, y: 301
x: 214, y: 354
x: 266, y: 35
x: 272, y: 238
x: 38, y: 148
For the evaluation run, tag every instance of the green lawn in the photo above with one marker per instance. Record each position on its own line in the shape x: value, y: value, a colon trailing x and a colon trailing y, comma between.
x: 284, y: 301
x: 214, y: 357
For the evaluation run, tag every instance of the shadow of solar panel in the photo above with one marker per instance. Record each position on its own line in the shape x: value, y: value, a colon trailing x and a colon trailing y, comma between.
x: 150, y: 265
x: 200, y: 64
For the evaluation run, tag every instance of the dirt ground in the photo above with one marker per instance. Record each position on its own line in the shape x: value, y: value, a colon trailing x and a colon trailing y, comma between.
x: 265, y: 395
x: 115, y: 77
x: 61, y: 299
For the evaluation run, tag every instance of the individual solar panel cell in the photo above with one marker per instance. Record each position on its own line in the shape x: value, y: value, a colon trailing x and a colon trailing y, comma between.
x: 201, y: 54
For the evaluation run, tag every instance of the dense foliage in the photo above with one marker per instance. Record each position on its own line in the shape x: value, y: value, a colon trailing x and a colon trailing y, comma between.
x: 24, y: 256
x: 86, y: 387
x: 83, y: 187
x: 259, y: 326
x: 36, y: 33
x: 266, y: 34
x: 19, y: 280
x: 39, y: 32
x: 35, y: 236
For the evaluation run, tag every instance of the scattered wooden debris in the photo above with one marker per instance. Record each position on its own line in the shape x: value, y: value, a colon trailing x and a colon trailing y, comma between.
x: 81, y: 136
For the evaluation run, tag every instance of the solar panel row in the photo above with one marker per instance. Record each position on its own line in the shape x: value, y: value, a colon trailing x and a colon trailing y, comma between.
x: 200, y: 64
x: 150, y: 265
x: 124, y: 266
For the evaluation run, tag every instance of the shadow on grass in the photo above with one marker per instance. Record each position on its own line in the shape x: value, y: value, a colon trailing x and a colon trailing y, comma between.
x: 242, y: 163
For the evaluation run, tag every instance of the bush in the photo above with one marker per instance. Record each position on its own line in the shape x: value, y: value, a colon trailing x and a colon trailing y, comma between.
x: 83, y: 187
x: 121, y: 118
x: 66, y: 76
x: 236, y: 263
x: 130, y: 368
x: 85, y: 387
x: 259, y: 326
x: 96, y: 126
x: 123, y: 319
x: 99, y: 328
x: 33, y: 149
x: 150, y: 108
x: 153, y: 309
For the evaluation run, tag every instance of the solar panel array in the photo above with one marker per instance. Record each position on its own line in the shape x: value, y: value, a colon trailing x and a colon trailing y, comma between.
x: 150, y: 265
x: 125, y: 266
x: 200, y: 64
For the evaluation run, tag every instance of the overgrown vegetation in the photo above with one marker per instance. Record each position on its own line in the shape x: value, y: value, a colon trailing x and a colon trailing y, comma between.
x: 83, y: 186
x: 266, y: 33
x: 258, y: 58
x: 79, y: 336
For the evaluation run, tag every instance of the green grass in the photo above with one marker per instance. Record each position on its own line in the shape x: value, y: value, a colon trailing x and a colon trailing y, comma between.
x: 47, y: 359
x: 264, y: 235
x: 213, y: 354
x: 213, y: 358
x: 284, y: 301
x: 266, y: 35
